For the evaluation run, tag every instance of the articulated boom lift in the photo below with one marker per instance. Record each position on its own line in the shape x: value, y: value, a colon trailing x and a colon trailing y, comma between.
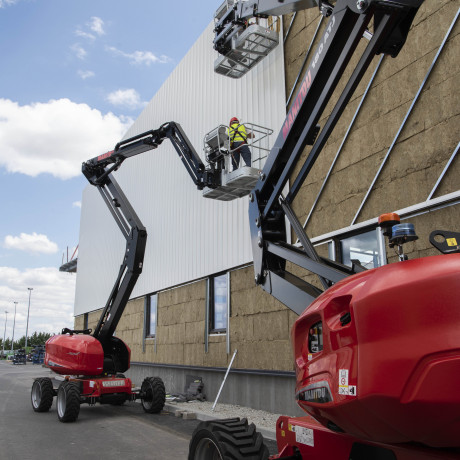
x: 377, y: 352
x: 96, y: 362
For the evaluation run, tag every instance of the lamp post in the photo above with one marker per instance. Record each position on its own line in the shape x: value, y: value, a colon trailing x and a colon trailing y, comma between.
x: 4, y: 333
x: 14, y: 324
x: 28, y: 311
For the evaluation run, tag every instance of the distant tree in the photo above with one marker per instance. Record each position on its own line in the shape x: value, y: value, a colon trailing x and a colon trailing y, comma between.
x: 33, y: 339
x: 21, y: 343
x: 7, y: 344
x: 37, y: 338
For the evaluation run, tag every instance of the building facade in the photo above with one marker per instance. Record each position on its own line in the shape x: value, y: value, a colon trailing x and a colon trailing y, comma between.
x: 394, y: 150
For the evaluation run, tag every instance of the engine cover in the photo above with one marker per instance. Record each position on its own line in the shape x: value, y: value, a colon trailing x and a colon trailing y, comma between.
x: 378, y: 354
x: 77, y: 354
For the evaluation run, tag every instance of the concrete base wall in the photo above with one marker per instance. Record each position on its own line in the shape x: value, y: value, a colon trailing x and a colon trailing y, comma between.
x: 266, y: 392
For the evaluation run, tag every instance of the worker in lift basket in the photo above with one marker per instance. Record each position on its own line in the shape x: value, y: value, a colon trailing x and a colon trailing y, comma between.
x: 238, y: 143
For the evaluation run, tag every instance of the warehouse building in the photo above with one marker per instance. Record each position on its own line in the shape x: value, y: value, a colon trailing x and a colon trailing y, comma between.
x: 195, y: 304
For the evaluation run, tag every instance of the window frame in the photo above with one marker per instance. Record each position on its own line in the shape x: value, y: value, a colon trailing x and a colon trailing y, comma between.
x: 211, y: 303
x: 334, y: 244
x: 148, y: 316
x: 380, y: 240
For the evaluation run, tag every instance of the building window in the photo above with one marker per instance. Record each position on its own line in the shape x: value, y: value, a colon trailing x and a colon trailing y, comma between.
x: 326, y: 249
x: 218, y: 303
x: 85, y: 321
x: 151, y: 318
x: 364, y: 248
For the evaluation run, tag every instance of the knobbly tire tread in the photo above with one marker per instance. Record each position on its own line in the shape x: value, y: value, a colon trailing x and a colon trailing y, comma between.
x: 158, y: 394
x: 72, y: 409
x: 236, y: 439
x: 47, y: 394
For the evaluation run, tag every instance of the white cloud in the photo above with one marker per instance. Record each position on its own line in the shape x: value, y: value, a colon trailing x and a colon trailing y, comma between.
x: 84, y: 74
x: 79, y: 51
x: 129, y: 98
x: 139, y: 57
x: 96, y: 25
x: 35, y: 243
x: 4, y: 3
x: 83, y: 34
x: 55, y: 137
x: 51, y: 304
x: 76, y: 204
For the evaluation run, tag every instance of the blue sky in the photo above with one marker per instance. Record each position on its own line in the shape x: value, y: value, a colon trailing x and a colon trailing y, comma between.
x: 75, y: 74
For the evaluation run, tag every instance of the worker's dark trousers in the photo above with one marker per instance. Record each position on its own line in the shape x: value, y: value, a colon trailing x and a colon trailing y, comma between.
x: 243, y: 150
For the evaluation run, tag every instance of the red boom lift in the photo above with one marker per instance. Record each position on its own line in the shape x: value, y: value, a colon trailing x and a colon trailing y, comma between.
x: 93, y: 364
x: 377, y: 352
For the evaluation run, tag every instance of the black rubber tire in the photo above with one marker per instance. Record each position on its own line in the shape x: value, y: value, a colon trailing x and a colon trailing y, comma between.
x: 228, y: 439
x: 68, y: 402
x: 42, y: 394
x: 153, y: 395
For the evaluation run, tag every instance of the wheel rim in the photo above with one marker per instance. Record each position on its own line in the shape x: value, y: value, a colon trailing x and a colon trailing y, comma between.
x: 36, y: 394
x: 147, y: 400
x: 207, y: 450
x: 61, y: 404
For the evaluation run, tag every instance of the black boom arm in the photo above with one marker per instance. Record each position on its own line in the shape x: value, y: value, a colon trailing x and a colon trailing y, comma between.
x: 99, y: 171
x: 268, y: 209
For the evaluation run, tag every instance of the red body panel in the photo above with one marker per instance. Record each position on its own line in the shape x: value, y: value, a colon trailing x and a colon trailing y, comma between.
x: 75, y: 354
x: 315, y: 442
x: 399, y: 355
x: 96, y: 387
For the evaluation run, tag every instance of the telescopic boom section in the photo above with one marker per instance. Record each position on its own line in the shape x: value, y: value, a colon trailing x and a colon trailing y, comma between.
x: 349, y: 20
x: 99, y: 171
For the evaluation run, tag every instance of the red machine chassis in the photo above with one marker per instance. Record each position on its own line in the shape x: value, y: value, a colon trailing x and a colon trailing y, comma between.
x: 388, y: 369
x: 308, y: 439
x: 108, y: 389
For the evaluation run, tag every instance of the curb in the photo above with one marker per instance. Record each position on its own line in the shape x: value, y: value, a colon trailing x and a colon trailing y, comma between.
x: 266, y: 433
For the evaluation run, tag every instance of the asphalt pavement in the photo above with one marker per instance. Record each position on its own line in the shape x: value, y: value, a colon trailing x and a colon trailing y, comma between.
x: 101, y: 431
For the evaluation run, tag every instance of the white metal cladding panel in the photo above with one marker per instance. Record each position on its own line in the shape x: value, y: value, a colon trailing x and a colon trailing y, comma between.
x: 188, y: 236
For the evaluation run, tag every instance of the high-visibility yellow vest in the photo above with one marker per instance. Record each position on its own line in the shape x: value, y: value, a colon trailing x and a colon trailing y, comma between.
x: 237, y: 133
